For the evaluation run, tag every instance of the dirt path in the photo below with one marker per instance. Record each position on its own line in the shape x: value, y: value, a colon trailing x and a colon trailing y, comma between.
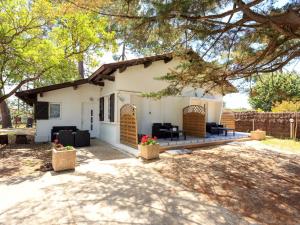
x: 21, y: 162
x: 263, y: 186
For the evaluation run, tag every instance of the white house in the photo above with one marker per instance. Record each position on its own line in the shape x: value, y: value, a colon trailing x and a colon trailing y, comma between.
x: 94, y: 104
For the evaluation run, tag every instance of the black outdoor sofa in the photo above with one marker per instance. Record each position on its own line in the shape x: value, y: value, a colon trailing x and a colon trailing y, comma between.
x: 160, y: 130
x: 70, y: 136
x: 56, y: 129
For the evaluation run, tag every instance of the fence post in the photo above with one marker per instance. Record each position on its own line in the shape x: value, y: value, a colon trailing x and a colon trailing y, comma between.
x: 296, y: 125
x: 253, y: 124
x: 292, y: 128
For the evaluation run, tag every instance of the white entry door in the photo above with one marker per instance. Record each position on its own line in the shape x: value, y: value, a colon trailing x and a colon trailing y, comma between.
x: 88, y: 119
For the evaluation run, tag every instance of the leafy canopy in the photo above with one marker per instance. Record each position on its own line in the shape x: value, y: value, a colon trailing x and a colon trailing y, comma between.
x: 41, y: 41
x: 287, y: 106
x: 272, y: 89
x: 234, y: 39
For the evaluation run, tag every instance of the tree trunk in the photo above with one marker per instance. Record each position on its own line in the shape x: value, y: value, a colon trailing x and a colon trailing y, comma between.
x: 81, y: 69
x: 123, y: 52
x: 5, y: 113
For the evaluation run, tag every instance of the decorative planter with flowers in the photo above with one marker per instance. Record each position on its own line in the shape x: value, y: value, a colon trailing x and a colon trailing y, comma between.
x: 63, y: 158
x: 149, y: 148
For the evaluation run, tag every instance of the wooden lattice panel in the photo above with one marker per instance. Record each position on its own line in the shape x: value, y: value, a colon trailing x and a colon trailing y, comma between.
x: 194, y: 121
x: 228, y: 119
x: 128, y: 126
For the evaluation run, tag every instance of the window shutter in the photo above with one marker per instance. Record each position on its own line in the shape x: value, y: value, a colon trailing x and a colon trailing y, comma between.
x: 101, y: 109
x: 41, y: 110
x: 112, y: 108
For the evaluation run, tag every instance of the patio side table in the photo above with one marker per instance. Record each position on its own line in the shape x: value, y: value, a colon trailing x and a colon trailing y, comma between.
x: 172, y: 132
x: 226, y: 130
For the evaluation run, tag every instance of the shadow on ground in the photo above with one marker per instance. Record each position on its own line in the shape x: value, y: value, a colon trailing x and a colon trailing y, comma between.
x: 19, y: 163
x: 114, y: 192
x: 261, y: 185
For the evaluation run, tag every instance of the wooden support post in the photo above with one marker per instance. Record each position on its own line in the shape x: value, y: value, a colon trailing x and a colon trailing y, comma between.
x: 108, y: 77
x: 147, y: 64
x: 122, y: 69
x: 166, y: 60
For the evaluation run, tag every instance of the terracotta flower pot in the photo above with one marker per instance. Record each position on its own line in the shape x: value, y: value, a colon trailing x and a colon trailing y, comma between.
x: 258, y: 135
x: 63, y: 159
x: 149, y: 151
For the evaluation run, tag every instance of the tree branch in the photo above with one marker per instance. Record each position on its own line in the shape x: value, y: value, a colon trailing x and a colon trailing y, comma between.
x: 14, y: 90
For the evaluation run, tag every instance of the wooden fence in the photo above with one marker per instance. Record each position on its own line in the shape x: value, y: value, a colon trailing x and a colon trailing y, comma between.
x: 128, y: 126
x: 275, y: 124
x: 228, y: 119
x: 194, y: 120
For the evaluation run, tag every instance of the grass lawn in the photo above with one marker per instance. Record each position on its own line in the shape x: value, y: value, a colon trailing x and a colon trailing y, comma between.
x: 283, y: 144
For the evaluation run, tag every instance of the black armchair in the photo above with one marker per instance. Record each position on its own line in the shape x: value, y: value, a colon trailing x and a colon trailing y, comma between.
x: 160, y: 130
x: 212, y: 128
x: 156, y: 132
x: 82, y: 138
x: 66, y: 138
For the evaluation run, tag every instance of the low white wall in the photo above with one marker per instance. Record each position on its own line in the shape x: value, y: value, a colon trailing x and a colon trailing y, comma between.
x: 109, y: 133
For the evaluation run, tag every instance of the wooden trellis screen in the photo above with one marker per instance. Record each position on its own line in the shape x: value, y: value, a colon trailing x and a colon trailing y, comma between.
x: 128, y: 125
x: 228, y: 119
x: 194, y: 120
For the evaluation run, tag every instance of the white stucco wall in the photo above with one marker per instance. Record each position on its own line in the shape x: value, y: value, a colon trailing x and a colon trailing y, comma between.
x: 165, y: 110
x: 213, y: 108
x: 140, y: 79
x: 71, y: 108
x: 127, y: 87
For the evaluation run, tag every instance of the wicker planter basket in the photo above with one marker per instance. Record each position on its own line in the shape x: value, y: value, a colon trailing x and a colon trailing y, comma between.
x: 63, y: 159
x: 258, y: 135
x: 149, y: 151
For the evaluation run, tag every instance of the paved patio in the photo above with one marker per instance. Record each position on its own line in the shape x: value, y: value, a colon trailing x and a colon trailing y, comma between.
x: 210, y: 138
x: 108, y: 187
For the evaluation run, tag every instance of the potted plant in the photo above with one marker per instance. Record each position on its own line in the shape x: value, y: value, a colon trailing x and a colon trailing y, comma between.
x: 149, y: 148
x: 63, y: 158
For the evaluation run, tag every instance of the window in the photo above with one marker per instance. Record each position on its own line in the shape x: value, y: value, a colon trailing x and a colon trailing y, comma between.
x: 41, y: 110
x: 112, y: 108
x: 101, y: 109
x: 92, y: 118
x: 54, y: 110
